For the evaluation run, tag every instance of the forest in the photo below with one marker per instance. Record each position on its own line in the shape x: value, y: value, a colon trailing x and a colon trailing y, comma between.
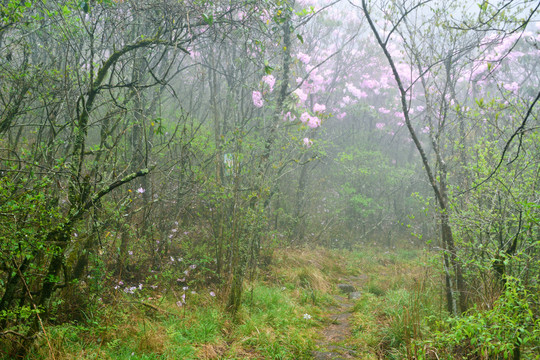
x: 269, y: 179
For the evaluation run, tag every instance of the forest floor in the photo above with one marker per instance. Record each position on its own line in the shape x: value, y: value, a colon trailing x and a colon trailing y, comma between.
x: 292, y: 309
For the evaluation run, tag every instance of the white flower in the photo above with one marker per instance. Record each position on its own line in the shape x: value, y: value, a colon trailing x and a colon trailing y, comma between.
x: 307, y: 316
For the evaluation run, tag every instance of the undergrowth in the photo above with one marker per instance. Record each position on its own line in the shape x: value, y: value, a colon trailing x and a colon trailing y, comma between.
x: 399, y: 315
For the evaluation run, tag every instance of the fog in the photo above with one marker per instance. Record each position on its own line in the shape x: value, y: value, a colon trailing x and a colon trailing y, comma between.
x: 159, y: 137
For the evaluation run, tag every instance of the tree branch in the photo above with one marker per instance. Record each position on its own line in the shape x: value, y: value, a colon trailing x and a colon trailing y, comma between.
x: 518, y: 132
x: 78, y: 214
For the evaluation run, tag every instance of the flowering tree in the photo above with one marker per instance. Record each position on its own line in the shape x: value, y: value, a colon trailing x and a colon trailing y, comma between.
x: 437, y: 69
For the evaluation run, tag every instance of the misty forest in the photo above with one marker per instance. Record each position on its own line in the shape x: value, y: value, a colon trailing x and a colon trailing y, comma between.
x: 269, y: 179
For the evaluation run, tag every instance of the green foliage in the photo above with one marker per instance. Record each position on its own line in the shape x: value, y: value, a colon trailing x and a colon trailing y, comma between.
x: 511, y: 323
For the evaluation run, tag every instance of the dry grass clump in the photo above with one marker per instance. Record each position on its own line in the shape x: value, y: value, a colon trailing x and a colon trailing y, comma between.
x: 313, y: 268
x: 212, y: 351
x: 152, y: 340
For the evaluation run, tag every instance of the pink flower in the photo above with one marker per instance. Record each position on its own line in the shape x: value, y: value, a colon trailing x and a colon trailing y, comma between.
x: 302, y: 96
x: 289, y: 116
x: 270, y: 80
x: 213, y: 294
x: 341, y: 116
x: 257, y: 99
x: 370, y: 84
x: 314, y: 122
x: 141, y: 190
x: 380, y: 126
x: 383, y: 110
x: 425, y: 130
x: 513, y: 87
x: 307, y: 142
x: 303, y: 58
x: 319, y: 107
x: 304, y: 117
x: 355, y: 91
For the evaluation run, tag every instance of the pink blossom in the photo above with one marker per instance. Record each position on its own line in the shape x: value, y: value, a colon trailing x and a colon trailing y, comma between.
x: 399, y: 114
x: 419, y: 108
x: 425, y: 130
x: 355, y: 91
x: 265, y: 17
x: 304, y: 117
x: 319, y: 107
x: 370, y: 84
x: 241, y: 15
x: 270, y: 80
x: 141, y: 190
x: 302, y: 96
x: 513, y: 87
x: 289, y: 116
x: 341, y: 116
x: 307, y: 142
x: 383, y: 110
x: 213, y: 294
x: 314, y: 122
x: 380, y: 126
x: 257, y: 99
x: 195, y: 55
x: 303, y: 58
x: 317, y: 81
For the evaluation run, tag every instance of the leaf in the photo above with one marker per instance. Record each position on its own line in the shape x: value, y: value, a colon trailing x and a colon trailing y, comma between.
x: 268, y: 69
x: 300, y: 38
x: 483, y: 6
x: 209, y: 19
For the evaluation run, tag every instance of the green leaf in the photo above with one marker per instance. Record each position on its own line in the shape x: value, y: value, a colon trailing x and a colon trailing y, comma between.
x: 209, y: 19
x: 268, y: 69
x: 300, y: 38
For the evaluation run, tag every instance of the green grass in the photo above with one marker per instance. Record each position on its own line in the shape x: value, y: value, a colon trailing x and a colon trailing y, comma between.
x: 271, y: 323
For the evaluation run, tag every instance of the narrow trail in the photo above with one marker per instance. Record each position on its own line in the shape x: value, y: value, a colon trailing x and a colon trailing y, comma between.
x: 334, y: 337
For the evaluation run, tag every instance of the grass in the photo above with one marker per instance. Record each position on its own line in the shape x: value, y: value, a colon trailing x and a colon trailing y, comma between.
x: 271, y: 323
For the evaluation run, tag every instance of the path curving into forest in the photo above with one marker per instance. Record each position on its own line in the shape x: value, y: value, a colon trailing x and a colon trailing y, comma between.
x: 333, y: 343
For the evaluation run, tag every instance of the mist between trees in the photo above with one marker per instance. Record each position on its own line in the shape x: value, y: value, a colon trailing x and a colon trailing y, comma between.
x: 150, y: 136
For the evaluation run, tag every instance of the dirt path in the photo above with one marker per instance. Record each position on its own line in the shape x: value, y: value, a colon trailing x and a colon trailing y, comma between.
x: 334, y: 337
